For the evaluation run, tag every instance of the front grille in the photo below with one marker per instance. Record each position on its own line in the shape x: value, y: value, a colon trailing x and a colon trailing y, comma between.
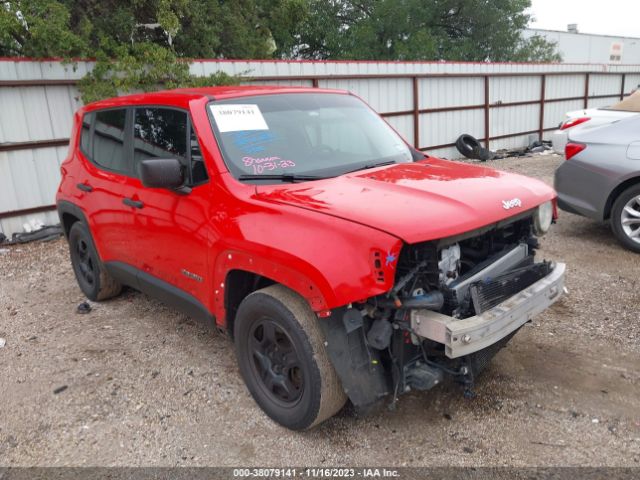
x: 486, y: 294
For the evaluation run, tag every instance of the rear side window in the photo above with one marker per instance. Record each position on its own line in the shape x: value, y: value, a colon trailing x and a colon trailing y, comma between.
x: 165, y: 133
x: 108, y: 140
x: 85, y: 134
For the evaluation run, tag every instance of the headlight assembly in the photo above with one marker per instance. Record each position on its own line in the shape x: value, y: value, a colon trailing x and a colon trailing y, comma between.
x: 542, y: 218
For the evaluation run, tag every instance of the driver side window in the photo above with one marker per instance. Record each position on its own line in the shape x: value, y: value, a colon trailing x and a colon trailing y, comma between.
x: 167, y: 133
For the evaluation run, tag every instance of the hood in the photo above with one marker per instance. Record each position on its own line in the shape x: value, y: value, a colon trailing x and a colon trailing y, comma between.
x: 416, y: 202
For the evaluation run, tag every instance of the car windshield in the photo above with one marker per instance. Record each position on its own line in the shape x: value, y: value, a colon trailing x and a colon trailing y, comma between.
x: 307, y: 136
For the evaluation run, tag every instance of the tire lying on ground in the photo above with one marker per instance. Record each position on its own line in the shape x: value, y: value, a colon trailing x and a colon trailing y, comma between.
x: 470, y: 147
x: 282, y: 359
x: 467, y: 145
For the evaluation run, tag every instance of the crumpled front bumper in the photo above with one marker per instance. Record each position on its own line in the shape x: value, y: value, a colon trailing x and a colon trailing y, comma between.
x: 469, y: 335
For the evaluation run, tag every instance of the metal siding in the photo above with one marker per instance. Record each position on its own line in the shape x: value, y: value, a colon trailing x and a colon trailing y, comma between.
x: 507, y: 120
x: 631, y: 82
x: 13, y: 119
x: 512, y: 142
x: 448, y: 152
x: 514, y: 89
x: 555, y: 112
x: 384, y: 95
x: 403, y: 124
x: 445, y: 127
x: 605, y: 84
x: 601, y: 102
x: 450, y: 92
x: 562, y: 86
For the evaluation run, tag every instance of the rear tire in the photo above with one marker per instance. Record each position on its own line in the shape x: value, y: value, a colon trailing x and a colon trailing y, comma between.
x: 282, y: 359
x: 625, y: 218
x: 93, y: 279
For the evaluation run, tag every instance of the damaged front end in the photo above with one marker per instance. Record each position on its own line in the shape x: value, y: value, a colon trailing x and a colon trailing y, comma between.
x: 455, y: 303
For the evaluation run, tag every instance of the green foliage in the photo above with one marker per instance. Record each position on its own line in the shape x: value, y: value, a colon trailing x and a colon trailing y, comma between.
x: 460, y: 30
x: 142, y: 45
x: 37, y: 28
x: 143, y: 67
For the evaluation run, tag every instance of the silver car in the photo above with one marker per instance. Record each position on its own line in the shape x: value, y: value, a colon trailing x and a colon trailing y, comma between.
x: 600, y: 178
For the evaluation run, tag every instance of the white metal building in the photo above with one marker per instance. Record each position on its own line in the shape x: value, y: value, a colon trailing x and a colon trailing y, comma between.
x: 591, y: 48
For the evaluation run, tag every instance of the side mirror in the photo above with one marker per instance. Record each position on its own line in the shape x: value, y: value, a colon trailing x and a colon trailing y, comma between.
x: 161, y: 173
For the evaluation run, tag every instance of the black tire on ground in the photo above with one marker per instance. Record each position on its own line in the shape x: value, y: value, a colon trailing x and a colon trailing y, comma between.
x: 468, y: 146
x: 617, y: 227
x: 93, y: 279
x: 282, y: 359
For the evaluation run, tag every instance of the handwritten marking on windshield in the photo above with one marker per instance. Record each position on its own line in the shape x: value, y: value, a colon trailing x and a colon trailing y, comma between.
x: 263, y: 164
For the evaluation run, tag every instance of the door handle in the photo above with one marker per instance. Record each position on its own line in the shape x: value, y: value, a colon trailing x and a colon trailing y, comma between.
x: 84, y: 187
x: 132, y: 203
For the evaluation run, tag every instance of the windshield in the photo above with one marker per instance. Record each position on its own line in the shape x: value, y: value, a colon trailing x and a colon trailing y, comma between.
x: 316, y: 135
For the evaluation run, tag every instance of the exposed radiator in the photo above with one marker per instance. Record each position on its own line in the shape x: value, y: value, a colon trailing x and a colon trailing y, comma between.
x: 486, y: 294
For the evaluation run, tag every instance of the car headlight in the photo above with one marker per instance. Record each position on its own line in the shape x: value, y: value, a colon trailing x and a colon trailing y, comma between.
x: 542, y: 218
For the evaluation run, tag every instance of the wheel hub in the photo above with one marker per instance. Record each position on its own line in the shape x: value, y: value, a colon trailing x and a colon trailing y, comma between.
x: 275, y: 362
x: 631, y: 219
x: 85, y: 262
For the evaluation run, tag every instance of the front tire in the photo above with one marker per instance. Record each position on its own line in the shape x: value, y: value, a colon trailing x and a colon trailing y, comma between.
x: 282, y: 359
x: 93, y: 279
x: 625, y: 218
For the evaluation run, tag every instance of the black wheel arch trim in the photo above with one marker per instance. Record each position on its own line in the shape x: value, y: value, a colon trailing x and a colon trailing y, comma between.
x: 65, y: 207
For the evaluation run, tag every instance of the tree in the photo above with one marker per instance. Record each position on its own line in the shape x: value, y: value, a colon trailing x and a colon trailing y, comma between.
x: 142, y: 44
x: 461, y: 30
x: 37, y: 28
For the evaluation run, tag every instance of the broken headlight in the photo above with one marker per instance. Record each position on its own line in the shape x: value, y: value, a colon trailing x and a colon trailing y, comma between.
x: 542, y: 218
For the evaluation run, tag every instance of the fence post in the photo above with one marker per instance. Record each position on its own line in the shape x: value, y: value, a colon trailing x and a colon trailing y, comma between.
x: 416, y: 114
x: 543, y: 86
x: 586, y: 91
x: 486, y: 112
x: 623, y: 80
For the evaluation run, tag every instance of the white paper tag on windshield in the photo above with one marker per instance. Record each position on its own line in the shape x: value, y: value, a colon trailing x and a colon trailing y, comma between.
x: 236, y: 118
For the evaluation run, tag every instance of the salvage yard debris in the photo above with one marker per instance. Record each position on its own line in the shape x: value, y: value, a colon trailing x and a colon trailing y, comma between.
x: 471, y: 148
x: 32, y: 233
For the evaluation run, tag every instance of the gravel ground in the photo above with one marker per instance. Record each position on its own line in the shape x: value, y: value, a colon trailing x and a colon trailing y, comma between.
x: 135, y: 383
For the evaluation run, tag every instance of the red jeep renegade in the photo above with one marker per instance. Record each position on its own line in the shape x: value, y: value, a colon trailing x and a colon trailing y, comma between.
x: 344, y: 263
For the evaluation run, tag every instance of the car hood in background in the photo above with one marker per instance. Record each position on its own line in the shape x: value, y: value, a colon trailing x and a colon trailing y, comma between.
x: 420, y: 201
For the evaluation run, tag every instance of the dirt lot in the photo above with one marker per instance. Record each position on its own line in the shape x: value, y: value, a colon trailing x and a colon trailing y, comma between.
x: 135, y: 383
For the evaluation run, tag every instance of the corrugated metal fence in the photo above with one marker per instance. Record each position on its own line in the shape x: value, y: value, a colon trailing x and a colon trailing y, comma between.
x: 429, y: 103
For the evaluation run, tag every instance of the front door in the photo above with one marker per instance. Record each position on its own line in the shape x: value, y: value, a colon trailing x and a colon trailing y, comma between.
x: 172, y: 233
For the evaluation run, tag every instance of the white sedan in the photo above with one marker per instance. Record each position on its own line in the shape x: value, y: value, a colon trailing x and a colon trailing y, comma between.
x: 593, y: 117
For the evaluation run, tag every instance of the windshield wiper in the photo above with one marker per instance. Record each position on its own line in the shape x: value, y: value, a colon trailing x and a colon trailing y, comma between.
x: 371, y: 165
x: 285, y: 177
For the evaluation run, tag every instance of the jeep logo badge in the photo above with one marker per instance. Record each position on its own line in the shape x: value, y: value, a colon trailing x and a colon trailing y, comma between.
x: 514, y: 202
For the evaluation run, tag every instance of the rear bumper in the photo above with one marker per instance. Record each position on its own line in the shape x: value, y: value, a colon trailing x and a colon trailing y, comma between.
x: 463, y: 337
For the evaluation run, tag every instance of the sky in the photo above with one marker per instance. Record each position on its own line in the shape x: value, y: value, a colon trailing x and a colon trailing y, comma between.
x: 606, y: 17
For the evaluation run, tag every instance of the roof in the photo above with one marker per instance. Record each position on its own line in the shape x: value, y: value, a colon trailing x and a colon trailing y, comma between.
x: 181, y: 97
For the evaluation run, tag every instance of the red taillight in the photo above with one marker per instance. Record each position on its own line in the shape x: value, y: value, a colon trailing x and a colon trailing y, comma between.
x: 572, y: 149
x: 572, y: 122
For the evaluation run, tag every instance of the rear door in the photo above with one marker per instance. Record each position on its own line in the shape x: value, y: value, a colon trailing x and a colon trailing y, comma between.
x: 106, y: 180
x: 171, y: 228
